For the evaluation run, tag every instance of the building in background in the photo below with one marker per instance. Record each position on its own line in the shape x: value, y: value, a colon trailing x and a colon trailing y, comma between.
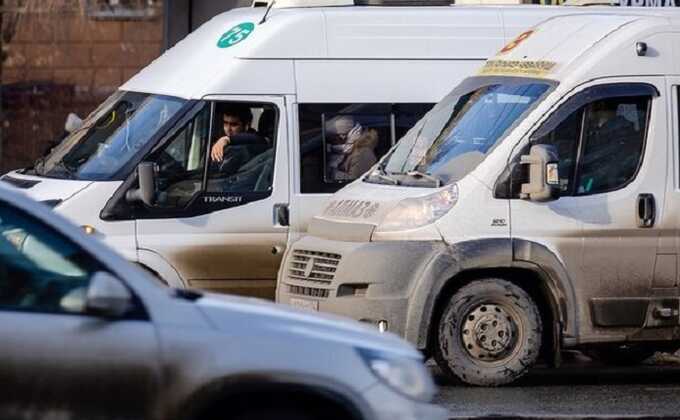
x: 183, y: 16
x: 62, y: 56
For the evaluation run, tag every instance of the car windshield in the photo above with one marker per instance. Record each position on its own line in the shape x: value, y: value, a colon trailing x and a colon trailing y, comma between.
x: 111, y: 136
x: 460, y: 131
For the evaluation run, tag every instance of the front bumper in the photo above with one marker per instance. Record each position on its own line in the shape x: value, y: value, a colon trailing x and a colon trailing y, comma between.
x: 375, y: 282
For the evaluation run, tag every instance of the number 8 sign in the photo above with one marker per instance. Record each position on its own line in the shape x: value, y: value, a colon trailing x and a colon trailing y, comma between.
x: 235, y: 35
x: 515, y: 42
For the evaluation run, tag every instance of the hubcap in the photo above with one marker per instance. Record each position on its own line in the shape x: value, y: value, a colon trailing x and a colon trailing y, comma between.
x: 489, y: 332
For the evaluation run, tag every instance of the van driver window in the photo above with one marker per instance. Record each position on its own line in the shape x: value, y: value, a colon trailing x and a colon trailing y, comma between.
x: 600, y: 144
x: 340, y: 142
x: 242, y: 148
x: 180, y: 165
x: 231, y: 143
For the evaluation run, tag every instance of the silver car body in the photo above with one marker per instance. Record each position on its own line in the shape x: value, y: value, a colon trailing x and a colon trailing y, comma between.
x: 178, y: 352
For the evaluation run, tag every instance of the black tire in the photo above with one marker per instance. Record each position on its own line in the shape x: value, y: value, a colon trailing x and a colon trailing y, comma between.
x: 274, y: 413
x: 623, y: 355
x: 489, y: 333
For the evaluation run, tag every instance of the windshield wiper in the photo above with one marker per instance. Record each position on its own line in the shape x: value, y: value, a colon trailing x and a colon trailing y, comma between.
x: 382, y: 174
x: 423, y: 175
x: 39, y: 163
x: 70, y: 172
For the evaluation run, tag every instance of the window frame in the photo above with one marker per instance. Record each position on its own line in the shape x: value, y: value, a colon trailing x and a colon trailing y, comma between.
x: 202, y: 202
x: 576, y: 103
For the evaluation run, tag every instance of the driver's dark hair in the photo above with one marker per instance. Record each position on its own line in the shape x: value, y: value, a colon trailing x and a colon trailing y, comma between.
x: 242, y: 112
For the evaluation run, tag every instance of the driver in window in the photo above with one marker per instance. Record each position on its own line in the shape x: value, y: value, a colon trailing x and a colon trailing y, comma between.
x: 610, y: 137
x: 240, y: 142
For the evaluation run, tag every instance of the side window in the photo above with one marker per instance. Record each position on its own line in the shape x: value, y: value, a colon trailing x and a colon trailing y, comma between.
x: 40, y: 270
x: 180, y: 164
x: 340, y: 142
x: 242, y: 148
x: 599, y: 135
x: 613, y: 143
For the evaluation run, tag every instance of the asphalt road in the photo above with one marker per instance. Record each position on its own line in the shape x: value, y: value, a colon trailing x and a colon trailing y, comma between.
x: 579, y: 389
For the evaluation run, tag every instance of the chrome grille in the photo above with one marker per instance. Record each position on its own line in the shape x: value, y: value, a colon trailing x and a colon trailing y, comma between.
x: 313, y: 266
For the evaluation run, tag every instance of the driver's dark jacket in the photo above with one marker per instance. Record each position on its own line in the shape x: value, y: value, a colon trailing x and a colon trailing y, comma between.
x: 242, y: 148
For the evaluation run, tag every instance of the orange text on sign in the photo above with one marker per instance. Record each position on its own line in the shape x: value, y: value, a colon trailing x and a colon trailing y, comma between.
x: 512, y: 45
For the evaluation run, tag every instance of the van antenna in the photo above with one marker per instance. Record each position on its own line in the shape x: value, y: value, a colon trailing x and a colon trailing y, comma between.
x: 266, y: 13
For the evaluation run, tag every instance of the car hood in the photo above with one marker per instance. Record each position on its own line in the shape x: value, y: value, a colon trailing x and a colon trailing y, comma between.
x: 259, y: 315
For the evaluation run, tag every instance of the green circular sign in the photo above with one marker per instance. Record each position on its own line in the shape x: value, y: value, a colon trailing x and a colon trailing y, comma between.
x: 236, y: 34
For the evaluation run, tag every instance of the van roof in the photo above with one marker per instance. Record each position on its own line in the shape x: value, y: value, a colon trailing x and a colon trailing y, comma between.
x: 219, y: 57
x: 589, y: 46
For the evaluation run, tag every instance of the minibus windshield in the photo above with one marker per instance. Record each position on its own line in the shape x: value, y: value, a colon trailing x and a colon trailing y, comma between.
x: 110, y: 137
x: 460, y: 131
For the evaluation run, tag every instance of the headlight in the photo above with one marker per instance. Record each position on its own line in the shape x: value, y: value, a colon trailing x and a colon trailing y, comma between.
x: 413, y: 213
x: 406, y: 376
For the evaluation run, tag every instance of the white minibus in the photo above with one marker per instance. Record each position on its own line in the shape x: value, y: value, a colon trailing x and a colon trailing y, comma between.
x: 315, y: 95
x: 533, y: 209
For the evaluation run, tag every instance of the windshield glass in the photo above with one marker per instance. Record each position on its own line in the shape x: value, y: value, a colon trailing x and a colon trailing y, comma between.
x: 460, y: 131
x: 111, y: 136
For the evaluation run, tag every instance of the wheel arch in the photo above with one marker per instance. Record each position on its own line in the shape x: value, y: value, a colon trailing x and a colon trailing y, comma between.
x: 529, y: 280
x: 157, y: 265
x: 257, y: 388
x: 530, y: 265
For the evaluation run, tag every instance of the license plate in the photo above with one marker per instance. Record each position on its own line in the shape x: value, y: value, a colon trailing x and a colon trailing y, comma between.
x: 311, y: 305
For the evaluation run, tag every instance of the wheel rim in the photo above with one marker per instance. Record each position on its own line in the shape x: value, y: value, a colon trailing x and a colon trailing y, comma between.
x: 490, y: 333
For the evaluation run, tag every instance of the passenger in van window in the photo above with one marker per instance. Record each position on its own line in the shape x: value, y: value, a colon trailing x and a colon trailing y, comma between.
x: 363, y: 156
x: 240, y: 141
x: 350, y: 149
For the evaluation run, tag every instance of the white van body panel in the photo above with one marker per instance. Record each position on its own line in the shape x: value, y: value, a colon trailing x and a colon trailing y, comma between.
x: 49, y: 188
x: 364, y: 81
x: 420, y: 33
x: 119, y: 235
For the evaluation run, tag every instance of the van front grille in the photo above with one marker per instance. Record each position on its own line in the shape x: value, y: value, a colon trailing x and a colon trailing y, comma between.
x: 313, y: 266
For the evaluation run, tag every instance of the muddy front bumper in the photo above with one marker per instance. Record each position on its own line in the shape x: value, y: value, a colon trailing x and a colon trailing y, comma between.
x: 388, y: 284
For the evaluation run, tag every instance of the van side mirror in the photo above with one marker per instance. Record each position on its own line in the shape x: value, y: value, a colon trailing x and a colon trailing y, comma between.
x: 544, y: 179
x: 107, y: 296
x: 146, y: 193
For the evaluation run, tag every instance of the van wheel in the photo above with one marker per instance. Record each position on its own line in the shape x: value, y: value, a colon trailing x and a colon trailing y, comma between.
x: 489, y: 333
x: 623, y: 355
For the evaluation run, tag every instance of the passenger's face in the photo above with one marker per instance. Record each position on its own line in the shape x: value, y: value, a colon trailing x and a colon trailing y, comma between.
x: 232, y: 125
x: 342, y: 127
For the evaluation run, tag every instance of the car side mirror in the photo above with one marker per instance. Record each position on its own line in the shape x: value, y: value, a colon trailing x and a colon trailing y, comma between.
x: 146, y: 193
x: 544, y: 179
x: 107, y: 296
x: 73, y: 123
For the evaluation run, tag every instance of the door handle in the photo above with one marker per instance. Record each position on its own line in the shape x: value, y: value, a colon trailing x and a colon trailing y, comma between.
x: 646, y: 208
x: 281, y: 215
